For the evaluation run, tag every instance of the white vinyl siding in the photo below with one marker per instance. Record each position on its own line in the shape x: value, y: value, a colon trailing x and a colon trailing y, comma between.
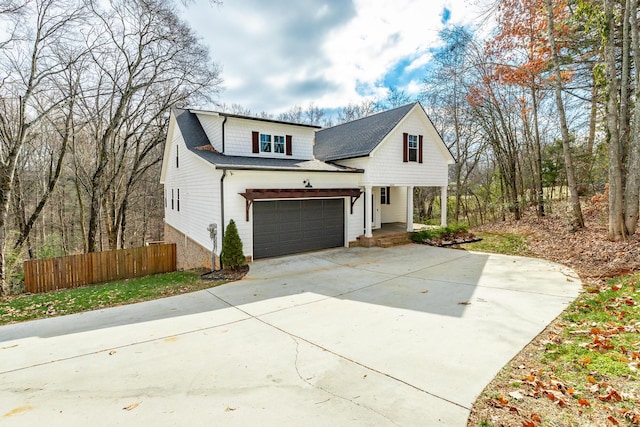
x: 386, y: 167
x: 196, y: 190
x: 238, y: 138
x: 396, y: 210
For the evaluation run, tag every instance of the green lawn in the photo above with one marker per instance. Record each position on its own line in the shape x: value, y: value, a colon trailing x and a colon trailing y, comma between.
x: 36, y: 306
x: 500, y: 243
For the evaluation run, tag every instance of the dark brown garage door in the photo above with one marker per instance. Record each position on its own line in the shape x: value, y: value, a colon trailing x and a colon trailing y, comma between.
x: 283, y: 227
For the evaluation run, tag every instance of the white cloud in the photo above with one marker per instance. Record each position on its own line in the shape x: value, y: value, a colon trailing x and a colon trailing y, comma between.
x: 278, y: 54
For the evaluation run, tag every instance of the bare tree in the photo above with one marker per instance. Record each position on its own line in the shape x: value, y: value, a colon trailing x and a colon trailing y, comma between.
x: 29, y: 93
x: 145, y: 59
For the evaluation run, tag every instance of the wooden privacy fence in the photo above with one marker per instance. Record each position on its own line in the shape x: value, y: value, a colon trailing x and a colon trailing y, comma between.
x: 43, y: 275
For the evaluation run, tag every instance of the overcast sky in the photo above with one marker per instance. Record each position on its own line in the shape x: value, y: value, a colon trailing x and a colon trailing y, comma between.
x: 276, y: 54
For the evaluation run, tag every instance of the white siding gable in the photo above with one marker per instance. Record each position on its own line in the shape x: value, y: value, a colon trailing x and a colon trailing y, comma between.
x: 385, y: 165
x: 198, y: 183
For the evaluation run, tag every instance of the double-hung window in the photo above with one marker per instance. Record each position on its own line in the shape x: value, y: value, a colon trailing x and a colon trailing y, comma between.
x: 385, y: 195
x: 265, y: 143
x: 413, y: 148
x: 278, y: 144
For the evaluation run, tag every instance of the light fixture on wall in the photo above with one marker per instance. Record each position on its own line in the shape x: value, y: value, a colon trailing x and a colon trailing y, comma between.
x: 307, y: 183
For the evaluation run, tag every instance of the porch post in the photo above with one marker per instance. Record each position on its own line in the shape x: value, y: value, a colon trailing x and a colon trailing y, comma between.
x: 410, y: 208
x: 443, y: 206
x: 367, y: 211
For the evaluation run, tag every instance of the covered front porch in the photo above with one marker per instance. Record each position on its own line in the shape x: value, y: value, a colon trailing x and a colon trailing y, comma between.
x: 390, y: 209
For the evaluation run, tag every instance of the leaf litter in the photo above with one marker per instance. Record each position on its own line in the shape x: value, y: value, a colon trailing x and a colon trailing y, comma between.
x: 582, y: 369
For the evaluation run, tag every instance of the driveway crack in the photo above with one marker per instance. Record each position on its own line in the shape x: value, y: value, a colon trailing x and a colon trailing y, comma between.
x: 343, y: 357
x: 329, y: 392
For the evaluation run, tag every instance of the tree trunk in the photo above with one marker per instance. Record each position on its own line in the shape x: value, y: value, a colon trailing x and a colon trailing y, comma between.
x: 632, y: 187
x: 617, y: 230
x: 578, y: 220
x: 538, y: 155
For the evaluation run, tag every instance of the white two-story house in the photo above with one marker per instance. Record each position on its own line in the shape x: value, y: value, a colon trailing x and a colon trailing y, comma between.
x: 293, y: 188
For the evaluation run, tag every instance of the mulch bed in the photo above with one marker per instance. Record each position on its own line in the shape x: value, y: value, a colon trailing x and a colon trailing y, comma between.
x: 452, y: 240
x: 226, y: 274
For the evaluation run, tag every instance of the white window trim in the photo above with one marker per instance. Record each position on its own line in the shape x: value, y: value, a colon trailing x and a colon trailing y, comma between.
x: 412, y: 139
x: 281, y: 141
x: 264, y: 141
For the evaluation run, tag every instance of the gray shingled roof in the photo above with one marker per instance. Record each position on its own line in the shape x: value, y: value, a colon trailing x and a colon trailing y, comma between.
x: 195, y: 138
x: 359, y: 137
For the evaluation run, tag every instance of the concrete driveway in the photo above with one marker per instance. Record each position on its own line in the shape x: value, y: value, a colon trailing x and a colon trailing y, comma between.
x: 401, y: 336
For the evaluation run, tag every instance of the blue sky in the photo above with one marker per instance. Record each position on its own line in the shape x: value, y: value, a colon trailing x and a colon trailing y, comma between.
x: 276, y: 54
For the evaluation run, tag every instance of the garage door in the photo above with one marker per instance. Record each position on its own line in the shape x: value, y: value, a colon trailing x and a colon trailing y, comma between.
x: 283, y: 227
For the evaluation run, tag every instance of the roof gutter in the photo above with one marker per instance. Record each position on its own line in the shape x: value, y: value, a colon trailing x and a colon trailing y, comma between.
x: 276, y: 169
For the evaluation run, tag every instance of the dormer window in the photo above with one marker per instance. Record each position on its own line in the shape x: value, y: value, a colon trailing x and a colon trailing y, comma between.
x: 265, y: 143
x: 278, y: 144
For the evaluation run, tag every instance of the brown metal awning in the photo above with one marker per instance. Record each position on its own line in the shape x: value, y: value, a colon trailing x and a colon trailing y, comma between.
x: 252, y: 194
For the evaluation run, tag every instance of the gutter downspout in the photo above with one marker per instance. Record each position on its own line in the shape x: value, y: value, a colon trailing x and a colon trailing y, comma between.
x: 224, y: 175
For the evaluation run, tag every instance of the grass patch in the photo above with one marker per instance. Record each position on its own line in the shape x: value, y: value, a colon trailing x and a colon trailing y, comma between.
x: 584, y: 369
x: 600, y: 337
x: 37, y: 306
x: 500, y: 243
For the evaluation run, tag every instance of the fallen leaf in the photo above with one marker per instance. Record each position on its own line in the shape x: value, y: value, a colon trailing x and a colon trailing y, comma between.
x: 229, y: 409
x: 424, y: 292
x: 592, y: 380
x: 611, y: 396
x: 112, y: 352
x: 527, y: 423
x: 613, y: 420
x: 130, y: 407
x: 584, y: 402
x: 536, y: 418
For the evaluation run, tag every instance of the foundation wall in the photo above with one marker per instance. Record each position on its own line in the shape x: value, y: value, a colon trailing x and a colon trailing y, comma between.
x: 189, y: 254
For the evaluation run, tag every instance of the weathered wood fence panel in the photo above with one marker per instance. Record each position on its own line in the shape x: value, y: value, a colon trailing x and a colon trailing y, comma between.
x: 43, y: 275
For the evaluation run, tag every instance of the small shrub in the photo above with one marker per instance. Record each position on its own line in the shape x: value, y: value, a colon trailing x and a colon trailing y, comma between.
x: 232, y: 255
x: 437, y: 233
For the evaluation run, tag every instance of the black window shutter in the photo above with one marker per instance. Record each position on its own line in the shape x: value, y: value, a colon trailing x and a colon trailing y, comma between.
x: 255, y: 138
x: 178, y: 205
x: 405, y: 147
x: 420, y: 149
x: 388, y: 195
x: 289, y: 148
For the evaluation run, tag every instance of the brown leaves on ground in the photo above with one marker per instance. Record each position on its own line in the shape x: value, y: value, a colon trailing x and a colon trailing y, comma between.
x: 587, y: 251
x: 595, y: 399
